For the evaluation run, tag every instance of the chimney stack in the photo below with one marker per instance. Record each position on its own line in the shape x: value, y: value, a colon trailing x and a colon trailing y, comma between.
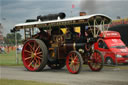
x: 83, y: 13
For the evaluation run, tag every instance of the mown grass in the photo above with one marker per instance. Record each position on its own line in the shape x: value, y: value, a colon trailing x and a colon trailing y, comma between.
x: 23, y: 82
x: 9, y: 59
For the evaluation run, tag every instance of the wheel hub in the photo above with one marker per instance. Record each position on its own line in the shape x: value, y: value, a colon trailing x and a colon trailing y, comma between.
x: 33, y: 55
x: 73, y: 62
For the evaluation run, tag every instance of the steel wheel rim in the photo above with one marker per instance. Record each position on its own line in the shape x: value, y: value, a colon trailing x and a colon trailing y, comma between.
x: 95, y: 61
x: 73, y: 63
x: 32, y: 55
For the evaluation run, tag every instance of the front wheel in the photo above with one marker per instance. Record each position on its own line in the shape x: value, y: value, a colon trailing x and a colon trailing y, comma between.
x: 96, y: 61
x: 74, y: 62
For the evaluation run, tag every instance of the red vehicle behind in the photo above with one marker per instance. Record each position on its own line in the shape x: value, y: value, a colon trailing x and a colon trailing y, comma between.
x: 112, y: 47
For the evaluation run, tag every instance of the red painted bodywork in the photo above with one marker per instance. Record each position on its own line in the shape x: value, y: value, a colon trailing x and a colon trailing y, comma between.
x: 112, y: 41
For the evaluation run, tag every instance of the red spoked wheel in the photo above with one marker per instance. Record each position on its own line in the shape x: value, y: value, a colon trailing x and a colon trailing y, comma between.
x: 34, y: 55
x: 96, y: 61
x: 74, y: 62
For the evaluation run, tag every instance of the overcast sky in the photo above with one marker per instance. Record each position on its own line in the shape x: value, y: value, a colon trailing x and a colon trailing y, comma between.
x: 17, y: 11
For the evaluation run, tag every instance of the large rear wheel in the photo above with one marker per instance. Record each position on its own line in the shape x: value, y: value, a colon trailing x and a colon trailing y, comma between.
x: 34, y: 55
x: 96, y: 61
x: 74, y: 62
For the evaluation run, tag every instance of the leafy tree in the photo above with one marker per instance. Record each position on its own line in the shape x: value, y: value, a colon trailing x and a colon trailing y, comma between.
x: 10, y: 38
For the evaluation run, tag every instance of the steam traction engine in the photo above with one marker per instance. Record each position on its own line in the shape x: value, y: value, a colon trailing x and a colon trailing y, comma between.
x: 54, y: 47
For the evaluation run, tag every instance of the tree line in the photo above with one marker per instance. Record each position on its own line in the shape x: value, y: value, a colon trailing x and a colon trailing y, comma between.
x: 9, y: 39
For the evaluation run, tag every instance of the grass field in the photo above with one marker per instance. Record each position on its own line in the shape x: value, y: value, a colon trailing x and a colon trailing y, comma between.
x: 10, y: 58
x: 22, y: 82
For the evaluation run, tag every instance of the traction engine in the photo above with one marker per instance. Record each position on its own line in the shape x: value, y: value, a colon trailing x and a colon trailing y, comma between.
x: 54, y: 47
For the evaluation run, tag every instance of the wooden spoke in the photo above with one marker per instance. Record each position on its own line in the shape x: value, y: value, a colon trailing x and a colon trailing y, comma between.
x: 35, y: 63
x: 34, y: 46
x: 38, y: 53
x: 38, y: 57
x: 37, y: 48
x: 77, y: 66
x: 75, y: 57
x: 28, y: 58
x: 30, y: 46
x: 96, y: 66
x: 71, y: 58
x: 74, y: 67
x: 78, y: 62
x: 71, y: 65
x: 73, y: 54
x: 30, y: 64
x: 35, y: 66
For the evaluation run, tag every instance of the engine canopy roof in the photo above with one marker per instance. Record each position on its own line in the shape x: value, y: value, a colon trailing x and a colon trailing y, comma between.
x: 66, y: 22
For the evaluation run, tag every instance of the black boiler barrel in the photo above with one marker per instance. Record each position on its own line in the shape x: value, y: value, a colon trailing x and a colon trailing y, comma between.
x: 51, y: 16
x: 74, y: 46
